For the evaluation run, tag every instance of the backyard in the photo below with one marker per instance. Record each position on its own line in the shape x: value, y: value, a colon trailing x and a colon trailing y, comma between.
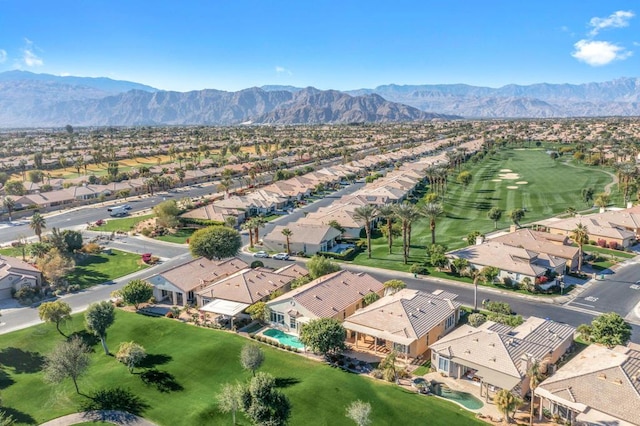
x: 511, y: 179
x: 189, y: 366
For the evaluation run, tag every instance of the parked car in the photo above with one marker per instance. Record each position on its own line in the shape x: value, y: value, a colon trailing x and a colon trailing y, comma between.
x: 261, y: 253
x: 127, y: 207
x: 281, y: 256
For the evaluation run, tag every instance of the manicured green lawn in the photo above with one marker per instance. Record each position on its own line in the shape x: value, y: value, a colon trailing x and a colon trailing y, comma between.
x: 180, y: 236
x: 195, y: 362
x: 608, y: 252
x: 125, y: 224
x: 99, y: 268
x: 15, y: 252
x: 551, y: 187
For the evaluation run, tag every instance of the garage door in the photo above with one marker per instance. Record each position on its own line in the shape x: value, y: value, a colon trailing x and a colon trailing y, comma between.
x: 5, y: 293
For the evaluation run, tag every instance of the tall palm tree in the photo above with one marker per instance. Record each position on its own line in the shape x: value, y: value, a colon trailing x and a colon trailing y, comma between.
x: 9, y: 204
x: 387, y: 212
x: 258, y: 222
x: 580, y: 234
x: 477, y: 275
x: 367, y: 214
x: 432, y: 211
x: 248, y: 226
x: 38, y: 223
x: 407, y: 214
x: 535, y: 377
x: 506, y: 402
x: 287, y: 234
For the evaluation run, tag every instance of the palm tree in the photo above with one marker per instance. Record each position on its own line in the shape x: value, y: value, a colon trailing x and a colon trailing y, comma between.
x: 477, y: 275
x: 580, y: 235
x: 367, y: 214
x: 506, y: 402
x: 287, y: 234
x: 387, y: 212
x: 10, y: 205
x: 432, y: 211
x: 407, y: 213
x: 38, y: 223
x: 535, y: 377
x: 248, y: 226
x: 258, y: 222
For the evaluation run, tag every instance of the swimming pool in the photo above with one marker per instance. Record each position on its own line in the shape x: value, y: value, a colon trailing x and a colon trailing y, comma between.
x: 284, y: 338
x: 341, y: 248
x: 463, y: 398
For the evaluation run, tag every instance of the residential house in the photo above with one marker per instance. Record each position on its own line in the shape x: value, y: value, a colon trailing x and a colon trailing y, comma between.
x: 343, y: 214
x: 306, y: 238
x: 407, y: 321
x: 179, y: 284
x: 215, y: 213
x: 15, y: 274
x: 335, y: 295
x: 599, y: 386
x: 499, y: 356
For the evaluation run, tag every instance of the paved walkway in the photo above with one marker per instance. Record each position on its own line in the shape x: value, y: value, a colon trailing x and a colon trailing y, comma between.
x: 115, y: 417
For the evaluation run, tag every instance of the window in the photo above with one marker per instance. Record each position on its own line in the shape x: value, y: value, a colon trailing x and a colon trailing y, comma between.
x: 443, y: 364
x: 277, y: 317
x: 427, y: 339
x: 400, y: 348
x: 451, y: 321
x: 293, y: 323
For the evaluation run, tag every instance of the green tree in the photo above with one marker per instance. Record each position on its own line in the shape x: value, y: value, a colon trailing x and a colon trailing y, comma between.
x: 473, y: 236
x: 69, y: 359
x: 516, y: 215
x: 55, y: 266
x: 587, y: 195
x: 251, y: 357
x: 602, y: 200
x: 393, y: 286
x: 432, y: 211
x: 460, y: 265
x: 167, y: 213
x: 388, y: 213
x: 38, y: 223
x: 367, y: 214
x: 506, y: 402
x: 263, y: 403
x: 259, y: 312
x: 407, y: 214
x: 535, y: 378
x: 464, y: 178
x: 136, y: 292
x: 10, y: 205
x: 490, y: 273
x: 14, y: 187
x: 320, y: 265
x: 99, y: 317
x: 72, y: 240
x: 477, y: 275
x: 324, y: 335
x: 610, y: 329
x: 215, y: 242
x: 359, y: 412
x: 56, y: 312
x: 580, y: 235
x: 288, y: 233
x: 369, y: 298
x: 437, y: 256
x: 131, y: 354
x: 336, y: 225
x: 112, y: 169
x: 495, y: 214
x: 229, y: 399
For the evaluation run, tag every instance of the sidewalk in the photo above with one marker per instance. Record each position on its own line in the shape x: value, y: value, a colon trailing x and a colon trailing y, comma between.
x: 115, y: 417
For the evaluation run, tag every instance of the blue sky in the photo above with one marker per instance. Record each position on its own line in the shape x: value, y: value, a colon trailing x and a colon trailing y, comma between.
x: 235, y: 44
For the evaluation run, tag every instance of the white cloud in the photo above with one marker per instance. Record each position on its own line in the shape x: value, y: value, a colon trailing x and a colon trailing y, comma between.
x: 598, y: 53
x: 3, y: 55
x: 617, y: 19
x: 283, y: 70
x: 29, y: 57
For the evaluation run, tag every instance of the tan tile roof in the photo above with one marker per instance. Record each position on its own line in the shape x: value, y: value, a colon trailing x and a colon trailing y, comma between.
x: 201, y: 271
x: 212, y: 212
x: 303, y: 233
x: 607, y: 380
x: 540, y: 242
x: 330, y: 294
x: 246, y: 286
x: 292, y: 270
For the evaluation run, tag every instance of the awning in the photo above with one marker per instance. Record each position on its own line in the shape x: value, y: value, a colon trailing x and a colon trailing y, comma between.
x: 224, y: 307
x: 490, y: 376
x: 380, y: 334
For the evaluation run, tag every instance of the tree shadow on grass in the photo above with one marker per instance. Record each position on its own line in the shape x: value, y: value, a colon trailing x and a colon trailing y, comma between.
x: 21, y: 361
x: 162, y: 380
x: 285, y: 382
x: 115, y: 399
x: 87, y: 338
x: 153, y: 360
x: 19, y: 416
x: 5, y: 380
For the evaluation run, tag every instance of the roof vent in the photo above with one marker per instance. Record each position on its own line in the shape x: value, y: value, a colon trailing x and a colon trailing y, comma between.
x: 602, y: 376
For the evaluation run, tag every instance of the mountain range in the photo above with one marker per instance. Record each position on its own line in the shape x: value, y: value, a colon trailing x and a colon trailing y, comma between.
x: 43, y: 100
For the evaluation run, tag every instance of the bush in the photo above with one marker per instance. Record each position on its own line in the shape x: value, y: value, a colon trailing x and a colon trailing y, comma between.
x: 26, y: 294
x: 91, y: 248
x: 592, y: 242
x: 257, y: 264
x: 168, y: 314
x: 418, y: 268
x: 498, y: 307
x: 201, y: 222
x: 602, y: 243
x: 476, y: 320
x: 146, y: 232
x: 508, y: 282
x: 377, y: 373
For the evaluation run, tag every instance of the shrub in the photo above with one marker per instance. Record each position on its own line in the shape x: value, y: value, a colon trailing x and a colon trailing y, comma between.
x: 498, y: 307
x: 592, y: 242
x: 418, y: 268
x: 91, y: 248
x: 168, y: 314
x: 377, y: 373
x: 257, y: 264
x: 26, y: 294
x: 146, y: 232
x: 476, y: 319
x: 507, y: 282
x: 602, y: 243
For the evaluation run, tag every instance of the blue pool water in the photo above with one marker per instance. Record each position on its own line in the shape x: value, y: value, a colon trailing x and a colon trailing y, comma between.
x: 284, y: 338
x: 463, y: 398
x: 341, y: 248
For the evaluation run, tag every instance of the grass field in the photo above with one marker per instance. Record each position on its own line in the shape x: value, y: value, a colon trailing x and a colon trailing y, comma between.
x: 194, y: 363
x: 99, y: 268
x: 125, y: 224
x: 14, y: 252
x: 551, y: 188
x: 180, y: 236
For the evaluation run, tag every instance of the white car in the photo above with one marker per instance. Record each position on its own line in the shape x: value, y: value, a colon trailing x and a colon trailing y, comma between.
x: 281, y: 256
x: 261, y: 253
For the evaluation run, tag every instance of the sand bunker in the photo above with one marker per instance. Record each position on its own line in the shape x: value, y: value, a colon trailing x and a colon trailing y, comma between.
x: 496, y: 180
x: 522, y: 182
x: 512, y: 187
x: 505, y: 170
x: 509, y: 176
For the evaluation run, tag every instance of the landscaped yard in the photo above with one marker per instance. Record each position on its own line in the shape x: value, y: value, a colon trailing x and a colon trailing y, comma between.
x: 125, y: 224
x: 180, y: 236
x: 192, y: 364
x: 99, y: 268
x: 538, y: 184
x: 15, y: 252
